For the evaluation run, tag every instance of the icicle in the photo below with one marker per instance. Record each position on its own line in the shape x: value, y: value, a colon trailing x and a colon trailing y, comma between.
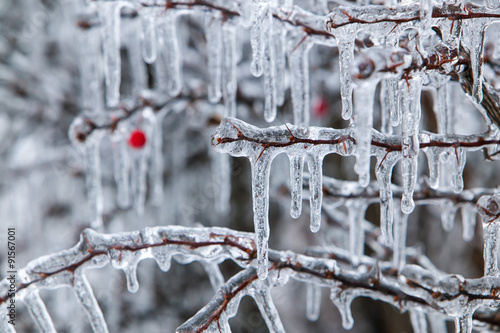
x: 393, y: 93
x: 229, y: 82
x: 313, y: 303
x: 463, y: 324
x: 426, y: 17
x: 109, y: 15
x: 296, y: 169
x: 268, y: 60
x: 410, y: 142
x: 315, y: 165
x: 418, y: 321
x: 121, y: 161
x: 222, y: 175
x: 138, y: 69
x: 385, y: 110
x: 90, y: 72
x: 86, y: 297
x: 268, y: 310
x: 448, y: 212
x: 363, y: 121
x: 260, y: 188
x: 345, y: 37
x: 93, y: 177
x: 38, y: 311
x: 468, y: 222
x: 433, y: 159
x: 140, y: 162
x: 385, y: 164
x: 257, y: 37
x: 342, y: 300
x: 156, y: 163
x: 399, y: 250
x: 457, y: 180
x: 437, y: 323
x: 4, y: 324
x: 473, y: 39
x: 489, y: 208
x: 148, y: 34
x: 169, y: 57
x: 214, y: 54
x: 279, y: 42
x: 298, y: 56
x: 442, y: 110
x: 356, y: 213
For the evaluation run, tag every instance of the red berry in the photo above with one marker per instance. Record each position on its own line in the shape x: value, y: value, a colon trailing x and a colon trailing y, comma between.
x: 320, y: 107
x: 137, y: 139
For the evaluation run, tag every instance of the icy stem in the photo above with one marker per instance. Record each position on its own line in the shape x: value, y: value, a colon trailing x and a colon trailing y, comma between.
x: 148, y: 34
x: 109, y: 15
x: 296, y: 170
x: 489, y: 208
x: 38, y: 311
x: 345, y: 39
x: 214, y: 55
x: 363, y: 103
x: 298, y: 51
x: 91, y: 71
x: 86, y: 297
x: 410, y: 141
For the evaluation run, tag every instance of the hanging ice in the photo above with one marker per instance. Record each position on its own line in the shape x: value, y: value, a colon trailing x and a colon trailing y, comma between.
x: 363, y: 121
x: 315, y: 163
x: 410, y: 140
x: 489, y: 208
x: 214, y: 55
x: 418, y: 321
x: 38, y: 311
x: 345, y: 37
x: 257, y: 33
x: 399, y: 249
x: 342, y: 300
x: 356, y: 212
x: 148, y: 34
x: 279, y: 50
x: 468, y: 222
x: 313, y: 301
x: 86, y: 297
x: 169, y: 58
x: 298, y: 51
x: 457, y: 180
x: 229, y: 83
x: 109, y: 15
x: 296, y: 169
x: 121, y: 161
x: 385, y: 164
x: 269, y: 62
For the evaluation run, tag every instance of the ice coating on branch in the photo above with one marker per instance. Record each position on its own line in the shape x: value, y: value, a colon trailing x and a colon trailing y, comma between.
x: 169, y: 59
x: 489, y: 209
x: 468, y: 222
x: 148, y: 34
x: 296, y: 171
x: 109, y: 16
x: 257, y: 32
x: 410, y: 140
x: 214, y: 54
x: 298, y: 58
x: 38, y: 311
x: 345, y: 37
x: 473, y: 40
x: 385, y: 164
x: 418, y: 321
x: 342, y: 300
x: 313, y: 305
x: 86, y: 297
x: 269, y: 62
x: 229, y: 82
x: 363, y: 103
x: 444, y: 114
x: 356, y: 210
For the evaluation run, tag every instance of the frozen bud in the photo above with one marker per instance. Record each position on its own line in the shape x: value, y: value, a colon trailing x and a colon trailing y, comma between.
x: 489, y: 206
